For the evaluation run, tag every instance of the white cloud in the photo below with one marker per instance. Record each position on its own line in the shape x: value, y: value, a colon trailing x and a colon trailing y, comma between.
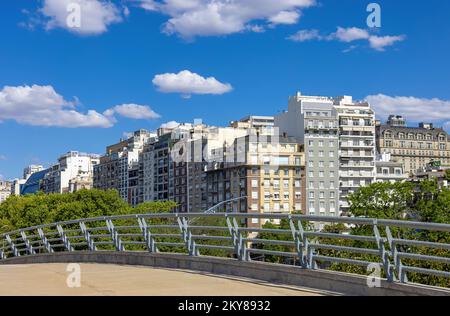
x: 191, y: 18
x: 381, y: 42
x: 170, y: 125
x: 412, y: 108
x: 3, y: 157
x: 96, y: 15
x: 187, y: 83
x: 348, y: 35
x: 305, y: 35
x: 42, y: 106
x: 133, y: 111
x: 285, y: 17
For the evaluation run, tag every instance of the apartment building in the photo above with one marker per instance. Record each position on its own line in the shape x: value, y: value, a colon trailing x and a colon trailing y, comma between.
x: 71, y: 166
x: 269, y: 178
x: 357, y: 153
x: 120, y: 168
x: 314, y: 121
x: 5, y: 190
x: 389, y: 171
x: 414, y: 147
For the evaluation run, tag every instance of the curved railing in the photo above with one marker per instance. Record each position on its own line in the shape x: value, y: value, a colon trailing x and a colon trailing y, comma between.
x: 398, y: 248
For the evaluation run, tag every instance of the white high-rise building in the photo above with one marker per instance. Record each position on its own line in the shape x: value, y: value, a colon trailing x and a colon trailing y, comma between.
x: 356, y: 146
x: 339, y: 139
x: 5, y: 190
x: 73, y: 166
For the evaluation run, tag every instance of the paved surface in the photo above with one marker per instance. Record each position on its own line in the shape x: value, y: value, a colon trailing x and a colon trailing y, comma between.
x: 96, y: 279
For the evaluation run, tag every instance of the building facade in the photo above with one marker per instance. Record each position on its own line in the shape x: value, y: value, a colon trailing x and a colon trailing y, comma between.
x: 314, y: 122
x: 357, y: 152
x: 5, y: 190
x: 71, y: 166
x: 269, y: 178
x: 414, y: 147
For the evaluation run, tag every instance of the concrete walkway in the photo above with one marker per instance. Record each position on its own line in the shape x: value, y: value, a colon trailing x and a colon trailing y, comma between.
x: 97, y: 279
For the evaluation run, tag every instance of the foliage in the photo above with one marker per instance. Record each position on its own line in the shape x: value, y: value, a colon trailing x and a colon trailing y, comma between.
x: 31, y: 210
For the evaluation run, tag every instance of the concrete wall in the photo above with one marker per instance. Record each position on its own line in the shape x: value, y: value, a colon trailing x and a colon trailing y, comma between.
x: 282, y: 274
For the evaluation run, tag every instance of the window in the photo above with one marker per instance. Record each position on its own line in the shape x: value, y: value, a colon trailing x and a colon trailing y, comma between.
x: 254, y: 207
x: 321, y: 174
x: 332, y: 195
x: 321, y: 143
x: 286, y: 184
x: 311, y: 195
x: 311, y: 174
x: 331, y: 164
x: 254, y: 195
x: 311, y: 207
x: 267, y: 206
x: 286, y: 206
x: 276, y: 207
x: 331, y: 154
x: 311, y: 184
x: 322, y: 195
x: 286, y: 195
x: 297, y: 184
x: 311, y: 164
x: 267, y: 183
x: 321, y: 153
x: 254, y: 183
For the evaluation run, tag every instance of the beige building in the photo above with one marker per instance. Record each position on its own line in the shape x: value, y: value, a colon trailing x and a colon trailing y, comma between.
x: 415, y: 147
x: 271, y: 178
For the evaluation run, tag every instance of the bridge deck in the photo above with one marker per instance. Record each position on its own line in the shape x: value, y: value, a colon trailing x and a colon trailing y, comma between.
x: 98, y: 279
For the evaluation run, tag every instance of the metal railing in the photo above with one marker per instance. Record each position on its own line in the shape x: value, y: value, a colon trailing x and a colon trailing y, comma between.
x: 397, y: 247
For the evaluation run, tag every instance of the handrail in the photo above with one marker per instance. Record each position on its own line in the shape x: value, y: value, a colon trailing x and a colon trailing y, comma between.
x: 303, y: 243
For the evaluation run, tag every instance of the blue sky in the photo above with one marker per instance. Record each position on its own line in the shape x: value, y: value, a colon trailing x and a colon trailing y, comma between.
x: 249, y: 53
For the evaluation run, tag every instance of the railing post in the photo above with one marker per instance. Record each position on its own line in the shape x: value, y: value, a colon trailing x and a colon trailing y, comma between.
x: 13, y: 247
x: 236, y: 237
x: 114, y: 235
x: 45, y: 241
x: 297, y: 240
x: 87, y: 236
x: 306, y: 250
x: 148, y: 238
x: 30, y: 249
x: 187, y: 236
x: 398, y: 266
x: 64, y: 238
x: 384, y: 255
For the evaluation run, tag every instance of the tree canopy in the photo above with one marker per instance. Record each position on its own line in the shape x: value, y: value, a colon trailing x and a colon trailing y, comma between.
x: 31, y: 210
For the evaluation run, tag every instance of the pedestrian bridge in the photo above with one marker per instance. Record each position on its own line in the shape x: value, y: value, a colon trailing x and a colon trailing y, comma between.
x: 296, y: 260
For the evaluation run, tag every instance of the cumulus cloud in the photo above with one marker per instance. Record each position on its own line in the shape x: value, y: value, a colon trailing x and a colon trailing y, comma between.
x: 305, y: 35
x: 170, y: 125
x: 348, y: 35
x: 187, y: 83
x: 412, y: 108
x: 42, y: 106
x: 95, y: 15
x: 133, y: 111
x: 192, y: 18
